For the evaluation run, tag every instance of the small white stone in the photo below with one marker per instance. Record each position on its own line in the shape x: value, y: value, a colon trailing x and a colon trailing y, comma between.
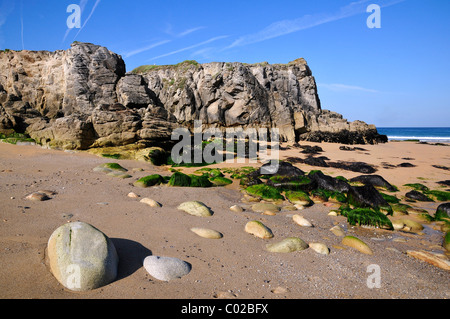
x: 300, y: 220
x: 150, y: 202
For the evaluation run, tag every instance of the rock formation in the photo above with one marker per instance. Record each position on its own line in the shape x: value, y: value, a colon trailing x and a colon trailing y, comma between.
x: 83, y: 98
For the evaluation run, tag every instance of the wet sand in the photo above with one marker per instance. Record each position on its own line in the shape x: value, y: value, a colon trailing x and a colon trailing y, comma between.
x: 235, y: 266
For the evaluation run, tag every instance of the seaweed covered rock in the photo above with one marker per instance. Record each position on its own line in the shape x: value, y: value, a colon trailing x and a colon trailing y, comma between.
x: 443, y: 212
x: 328, y: 182
x: 374, y: 180
x: 416, y: 195
x: 150, y: 180
x: 298, y: 198
x: 367, y: 196
x: 366, y: 216
x: 266, y: 192
x: 292, y: 183
x: 282, y: 169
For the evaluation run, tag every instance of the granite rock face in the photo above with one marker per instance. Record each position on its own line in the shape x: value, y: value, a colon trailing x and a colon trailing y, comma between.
x: 82, y: 98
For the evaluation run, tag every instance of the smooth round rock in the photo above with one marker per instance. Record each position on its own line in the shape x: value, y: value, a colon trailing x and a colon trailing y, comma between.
x: 236, y: 209
x: 37, y: 196
x: 207, y: 233
x: 166, y: 268
x: 302, y: 221
x: 287, y: 245
x: 195, y: 208
x: 258, y: 229
x: 150, y: 202
x: 320, y: 248
x: 338, y: 231
x: 81, y: 257
x: 357, y: 243
x: 264, y: 207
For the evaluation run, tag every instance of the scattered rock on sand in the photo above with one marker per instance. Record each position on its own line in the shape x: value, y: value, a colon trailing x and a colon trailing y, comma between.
x: 287, y: 245
x: 302, y: 221
x: 263, y: 207
x: 357, y: 243
x: 133, y: 195
x: 150, y: 202
x: 258, y: 229
x: 236, y: 209
x: 430, y: 258
x: 195, y: 208
x: 320, y: 248
x: 37, y: 196
x: 338, y: 231
x: 166, y: 268
x: 81, y: 257
x: 207, y: 233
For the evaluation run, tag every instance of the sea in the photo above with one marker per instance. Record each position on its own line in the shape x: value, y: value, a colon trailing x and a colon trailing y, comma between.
x: 422, y: 134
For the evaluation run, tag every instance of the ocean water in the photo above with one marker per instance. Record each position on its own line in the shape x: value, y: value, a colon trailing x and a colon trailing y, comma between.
x: 423, y: 134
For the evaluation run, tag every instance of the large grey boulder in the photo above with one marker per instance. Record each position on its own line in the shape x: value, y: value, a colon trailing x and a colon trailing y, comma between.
x: 81, y: 257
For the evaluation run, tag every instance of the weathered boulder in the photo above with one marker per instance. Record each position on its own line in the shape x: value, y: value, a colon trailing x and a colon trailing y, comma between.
x: 81, y: 257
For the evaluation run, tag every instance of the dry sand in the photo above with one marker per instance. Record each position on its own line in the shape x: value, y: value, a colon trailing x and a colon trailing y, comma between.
x: 235, y: 266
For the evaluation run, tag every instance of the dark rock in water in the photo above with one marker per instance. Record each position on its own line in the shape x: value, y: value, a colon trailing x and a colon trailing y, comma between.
x: 447, y: 182
x: 284, y: 169
x: 443, y: 212
x: 250, y: 180
x: 311, y: 149
x: 374, y: 180
x: 366, y: 196
x: 329, y: 183
x: 416, y: 195
x: 359, y: 167
x: 406, y: 165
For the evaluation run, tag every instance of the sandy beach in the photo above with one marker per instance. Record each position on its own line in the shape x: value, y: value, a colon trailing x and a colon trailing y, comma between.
x: 235, y: 266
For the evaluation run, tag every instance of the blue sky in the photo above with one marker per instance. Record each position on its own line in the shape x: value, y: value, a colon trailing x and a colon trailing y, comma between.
x: 396, y: 75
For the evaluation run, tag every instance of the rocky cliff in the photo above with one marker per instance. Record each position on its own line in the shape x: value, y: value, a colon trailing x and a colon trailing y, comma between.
x: 83, y: 98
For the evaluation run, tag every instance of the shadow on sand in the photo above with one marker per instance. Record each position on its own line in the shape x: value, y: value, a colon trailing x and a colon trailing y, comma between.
x: 131, y: 256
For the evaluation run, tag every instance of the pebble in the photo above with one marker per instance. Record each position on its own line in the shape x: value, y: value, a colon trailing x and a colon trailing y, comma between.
x: 258, y: 229
x: 133, y: 195
x: 358, y: 244
x: 195, y: 208
x: 338, y: 231
x: 300, y: 220
x: 320, y: 248
x: 166, y: 268
x: 287, y: 245
x: 264, y: 207
x: 37, y: 196
x: 236, y: 209
x: 207, y: 233
x: 150, y: 202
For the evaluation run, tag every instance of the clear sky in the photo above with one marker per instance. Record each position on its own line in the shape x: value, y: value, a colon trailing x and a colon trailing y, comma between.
x: 396, y: 75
